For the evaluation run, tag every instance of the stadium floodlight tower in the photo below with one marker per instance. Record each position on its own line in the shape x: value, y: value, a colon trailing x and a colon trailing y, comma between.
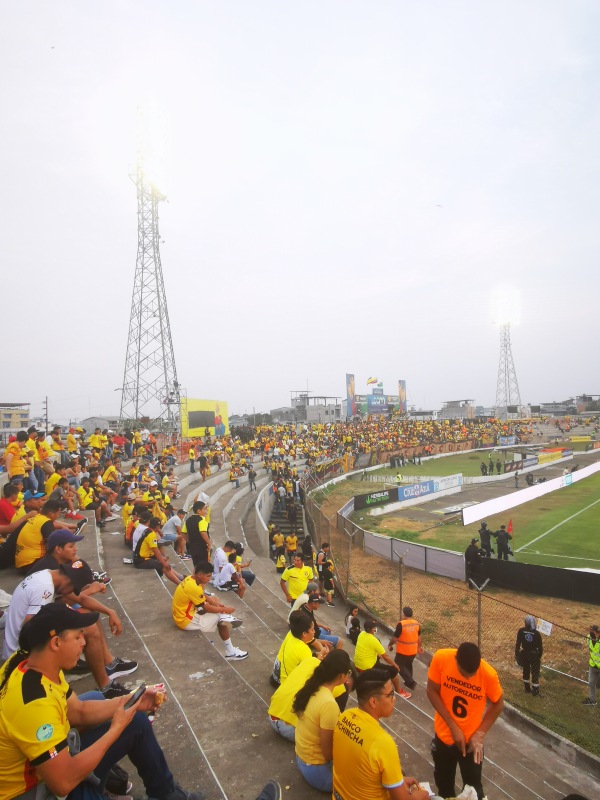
x: 151, y: 391
x: 508, y: 397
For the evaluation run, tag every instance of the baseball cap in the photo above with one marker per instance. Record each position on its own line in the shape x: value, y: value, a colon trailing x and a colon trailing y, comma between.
x: 31, y: 496
x: 32, y: 429
x: 60, y: 537
x: 153, y: 483
x: 474, y: 541
x: 79, y: 573
x: 314, y: 597
x: 51, y: 619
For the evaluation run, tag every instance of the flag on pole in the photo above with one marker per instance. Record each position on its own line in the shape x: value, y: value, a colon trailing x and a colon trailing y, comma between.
x: 371, y: 380
x: 510, y: 527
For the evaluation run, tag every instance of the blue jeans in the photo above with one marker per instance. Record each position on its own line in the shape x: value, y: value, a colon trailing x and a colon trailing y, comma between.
x: 329, y: 637
x: 137, y: 742
x: 283, y: 729
x: 319, y: 776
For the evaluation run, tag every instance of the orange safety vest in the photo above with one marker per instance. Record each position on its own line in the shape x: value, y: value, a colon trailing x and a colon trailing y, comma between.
x: 408, y: 643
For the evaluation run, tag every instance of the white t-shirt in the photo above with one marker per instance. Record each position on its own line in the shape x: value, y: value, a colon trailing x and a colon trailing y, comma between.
x: 219, y: 561
x: 172, y: 525
x: 30, y: 595
x: 226, y: 574
x: 139, y: 530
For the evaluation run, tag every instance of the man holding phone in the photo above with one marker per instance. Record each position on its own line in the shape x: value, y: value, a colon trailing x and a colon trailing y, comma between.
x: 38, y: 710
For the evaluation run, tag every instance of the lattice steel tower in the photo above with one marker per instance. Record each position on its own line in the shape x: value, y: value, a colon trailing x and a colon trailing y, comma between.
x: 507, y: 388
x: 150, y: 387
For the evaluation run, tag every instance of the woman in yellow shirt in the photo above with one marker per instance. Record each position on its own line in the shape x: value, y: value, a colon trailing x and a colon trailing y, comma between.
x: 318, y: 713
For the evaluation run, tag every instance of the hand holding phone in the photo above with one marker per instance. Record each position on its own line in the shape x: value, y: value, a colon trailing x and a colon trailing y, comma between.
x: 135, y: 696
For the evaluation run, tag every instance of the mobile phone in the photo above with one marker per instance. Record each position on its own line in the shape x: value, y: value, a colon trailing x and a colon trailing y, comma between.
x: 135, y: 696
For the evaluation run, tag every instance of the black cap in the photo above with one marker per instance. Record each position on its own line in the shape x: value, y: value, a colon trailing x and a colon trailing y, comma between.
x: 51, y: 619
x: 79, y: 573
x: 474, y: 541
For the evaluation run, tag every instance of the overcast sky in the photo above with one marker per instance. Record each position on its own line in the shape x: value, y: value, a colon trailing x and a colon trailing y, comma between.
x: 348, y: 182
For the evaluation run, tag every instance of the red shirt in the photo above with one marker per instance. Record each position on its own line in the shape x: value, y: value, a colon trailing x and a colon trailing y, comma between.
x: 7, y: 512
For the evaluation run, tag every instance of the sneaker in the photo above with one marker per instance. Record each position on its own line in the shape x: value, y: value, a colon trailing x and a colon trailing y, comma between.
x: 114, y: 689
x: 121, y: 668
x: 207, y: 594
x: 237, y: 655
x: 102, y: 577
x: 115, y: 508
x: 588, y: 702
x: 235, y: 622
x: 403, y: 693
x: 223, y: 588
x: 80, y: 668
x: 112, y: 518
x: 74, y: 515
x: 270, y: 791
x: 81, y: 525
x: 331, y: 605
x: 185, y: 558
x: 112, y: 796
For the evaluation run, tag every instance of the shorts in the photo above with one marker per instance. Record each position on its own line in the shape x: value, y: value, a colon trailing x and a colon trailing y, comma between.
x: 148, y: 563
x: 169, y: 537
x: 92, y: 506
x: 328, y: 584
x: 207, y: 623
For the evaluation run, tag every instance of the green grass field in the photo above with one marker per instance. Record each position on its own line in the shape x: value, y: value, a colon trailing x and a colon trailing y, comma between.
x: 466, y: 463
x: 567, y: 520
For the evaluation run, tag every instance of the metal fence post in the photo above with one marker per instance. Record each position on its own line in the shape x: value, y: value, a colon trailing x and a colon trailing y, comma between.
x: 479, y: 593
x: 349, y: 562
x: 401, y: 584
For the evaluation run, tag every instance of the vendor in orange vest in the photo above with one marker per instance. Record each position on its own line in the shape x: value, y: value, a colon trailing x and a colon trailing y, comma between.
x: 407, y: 638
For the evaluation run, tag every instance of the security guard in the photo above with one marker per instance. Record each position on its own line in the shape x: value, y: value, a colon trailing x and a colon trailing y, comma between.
x: 593, y: 643
x: 528, y: 655
x: 407, y: 638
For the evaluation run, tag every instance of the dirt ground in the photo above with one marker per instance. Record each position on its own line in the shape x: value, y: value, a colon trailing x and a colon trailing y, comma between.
x: 443, y: 600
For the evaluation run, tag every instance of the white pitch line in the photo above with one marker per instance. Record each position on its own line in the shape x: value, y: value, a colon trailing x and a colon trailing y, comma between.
x: 568, y: 519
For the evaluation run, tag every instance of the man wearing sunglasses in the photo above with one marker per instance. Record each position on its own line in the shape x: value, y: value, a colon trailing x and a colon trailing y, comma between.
x: 365, y: 757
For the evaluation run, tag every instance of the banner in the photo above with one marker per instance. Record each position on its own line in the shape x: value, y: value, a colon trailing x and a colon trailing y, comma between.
x: 351, y: 404
x: 371, y: 380
x: 506, y: 441
x: 402, y: 397
x: 375, y: 499
x: 377, y: 404
x: 449, y: 482
x: 517, y: 466
x: 580, y: 438
x: 198, y: 416
x: 546, y: 458
x: 415, y: 490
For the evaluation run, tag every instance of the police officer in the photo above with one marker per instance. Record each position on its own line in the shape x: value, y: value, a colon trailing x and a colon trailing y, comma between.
x: 485, y: 536
x: 528, y: 654
x: 502, y: 538
x: 473, y: 561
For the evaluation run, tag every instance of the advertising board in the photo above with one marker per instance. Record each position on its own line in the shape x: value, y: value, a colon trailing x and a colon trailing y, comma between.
x: 375, y: 499
x: 415, y: 490
x: 199, y: 415
x: 547, y: 458
x: 506, y: 441
x: 448, y: 482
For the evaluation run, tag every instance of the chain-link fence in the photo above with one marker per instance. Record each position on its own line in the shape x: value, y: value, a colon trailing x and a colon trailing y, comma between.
x: 451, y: 613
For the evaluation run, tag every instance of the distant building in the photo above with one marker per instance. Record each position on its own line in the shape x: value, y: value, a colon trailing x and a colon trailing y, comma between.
x: 457, y: 409
x: 14, y: 416
x: 90, y: 423
x: 562, y: 408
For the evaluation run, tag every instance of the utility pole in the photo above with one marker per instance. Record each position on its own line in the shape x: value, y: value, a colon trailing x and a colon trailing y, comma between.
x: 45, y: 407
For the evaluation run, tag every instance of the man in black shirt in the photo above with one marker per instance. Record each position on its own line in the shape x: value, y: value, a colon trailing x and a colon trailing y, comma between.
x: 485, y: 536
x: 528, y: 655
x: 502, y: 538
x: 195, y: 528
x: 472, y: 562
